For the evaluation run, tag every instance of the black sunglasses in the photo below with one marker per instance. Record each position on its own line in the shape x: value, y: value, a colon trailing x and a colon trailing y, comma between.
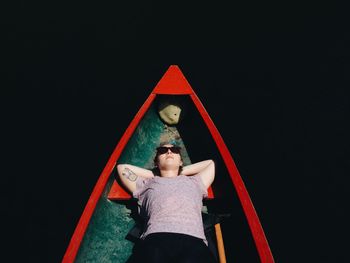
x: 164, y: 149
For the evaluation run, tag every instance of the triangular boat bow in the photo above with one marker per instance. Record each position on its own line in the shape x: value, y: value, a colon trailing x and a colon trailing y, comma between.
x: 173, y: 82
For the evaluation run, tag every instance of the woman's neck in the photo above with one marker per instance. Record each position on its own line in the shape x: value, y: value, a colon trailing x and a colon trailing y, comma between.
x: 168, y: 173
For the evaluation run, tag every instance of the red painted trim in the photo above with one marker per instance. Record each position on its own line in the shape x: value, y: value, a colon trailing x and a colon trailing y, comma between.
x: 79, y: 232
x: 249, y: 210
x: 118, y: 192
x: 173, y: 82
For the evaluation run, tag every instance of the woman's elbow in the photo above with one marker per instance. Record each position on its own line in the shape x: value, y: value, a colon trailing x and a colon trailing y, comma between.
x: 211, y: 163
x: 120, y: 168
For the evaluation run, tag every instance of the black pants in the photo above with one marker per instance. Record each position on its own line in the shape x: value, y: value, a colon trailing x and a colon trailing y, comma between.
x: 174, y: 248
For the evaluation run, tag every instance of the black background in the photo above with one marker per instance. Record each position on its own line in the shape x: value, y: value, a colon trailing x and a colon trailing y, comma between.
x: 273, y: 76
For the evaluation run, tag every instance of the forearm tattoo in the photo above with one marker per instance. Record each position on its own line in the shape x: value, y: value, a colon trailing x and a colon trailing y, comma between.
x: 129, y: 174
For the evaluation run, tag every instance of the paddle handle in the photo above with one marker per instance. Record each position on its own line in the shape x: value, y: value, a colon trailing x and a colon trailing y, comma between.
x: 220, y: 243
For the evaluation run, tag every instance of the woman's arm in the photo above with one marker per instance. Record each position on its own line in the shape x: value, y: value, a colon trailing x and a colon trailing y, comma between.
x: 204, y: 169
x: 129, y: 173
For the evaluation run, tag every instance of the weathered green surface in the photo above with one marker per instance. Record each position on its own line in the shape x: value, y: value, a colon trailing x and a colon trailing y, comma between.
x: 104, y: 240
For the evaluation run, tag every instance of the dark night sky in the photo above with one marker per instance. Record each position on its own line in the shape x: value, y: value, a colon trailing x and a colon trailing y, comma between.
x: 274, y: 77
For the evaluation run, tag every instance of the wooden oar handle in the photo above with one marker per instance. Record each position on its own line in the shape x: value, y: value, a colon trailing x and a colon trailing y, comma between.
x: 220, y: 244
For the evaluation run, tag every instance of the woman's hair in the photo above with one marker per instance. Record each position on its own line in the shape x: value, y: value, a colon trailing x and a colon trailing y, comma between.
x: 155, y: 169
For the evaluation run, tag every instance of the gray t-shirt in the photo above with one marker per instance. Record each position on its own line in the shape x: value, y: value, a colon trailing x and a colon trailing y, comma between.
x: 172, y: 205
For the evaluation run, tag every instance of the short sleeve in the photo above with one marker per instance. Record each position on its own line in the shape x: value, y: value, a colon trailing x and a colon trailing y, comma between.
x: 198, y: 181
x: 141, y: 183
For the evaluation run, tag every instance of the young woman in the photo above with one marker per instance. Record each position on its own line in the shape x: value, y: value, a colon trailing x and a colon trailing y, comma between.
x: 170, y: 200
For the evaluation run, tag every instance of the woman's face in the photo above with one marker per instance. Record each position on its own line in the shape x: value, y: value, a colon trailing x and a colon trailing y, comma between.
x: 169, y: 159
